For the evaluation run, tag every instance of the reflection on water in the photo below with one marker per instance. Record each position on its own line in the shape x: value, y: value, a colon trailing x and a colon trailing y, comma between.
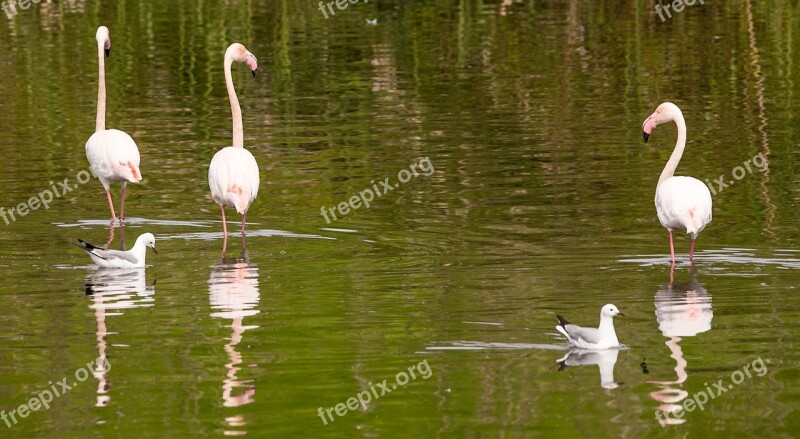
x: 682, y: 310
x: 112, y: 290
x: 535, y: 206
x: 465, y: 345
x: 233, y: 291
x: 784, y: 258
x: 605, y: 360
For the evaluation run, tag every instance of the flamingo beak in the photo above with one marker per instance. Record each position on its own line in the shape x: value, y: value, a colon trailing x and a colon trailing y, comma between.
x: 108, y: 52
x: 252, y: 62
x: 648, y: 126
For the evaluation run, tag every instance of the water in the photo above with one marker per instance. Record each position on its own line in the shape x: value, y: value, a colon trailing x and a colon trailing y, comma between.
x: 540, y: 202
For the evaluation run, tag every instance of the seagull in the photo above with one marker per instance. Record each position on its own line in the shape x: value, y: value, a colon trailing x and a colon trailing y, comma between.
x: 602, y: 337
x: 121, y: 259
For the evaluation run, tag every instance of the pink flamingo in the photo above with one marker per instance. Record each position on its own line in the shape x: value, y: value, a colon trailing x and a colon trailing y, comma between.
x: 112, y: 154
x: 682, y: 203
x: 233, y: 173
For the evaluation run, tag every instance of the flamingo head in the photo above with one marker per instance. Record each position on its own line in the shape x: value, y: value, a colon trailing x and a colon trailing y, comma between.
x: 237, y: 52
x: 665, y: 112
x: 104, y: 39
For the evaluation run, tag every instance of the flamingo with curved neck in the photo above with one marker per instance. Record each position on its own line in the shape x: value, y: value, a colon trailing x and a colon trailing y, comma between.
x: 682, y: 203
x: 233, y: 174
x: 112, y: 154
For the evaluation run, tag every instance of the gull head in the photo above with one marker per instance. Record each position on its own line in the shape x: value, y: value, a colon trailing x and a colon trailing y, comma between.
x: 149, y: 241
x: 610, y: 311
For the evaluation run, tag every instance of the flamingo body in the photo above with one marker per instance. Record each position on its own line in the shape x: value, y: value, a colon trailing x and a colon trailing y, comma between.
x: 233, y: 178
x: 683, y: 204
x: 113, y: 156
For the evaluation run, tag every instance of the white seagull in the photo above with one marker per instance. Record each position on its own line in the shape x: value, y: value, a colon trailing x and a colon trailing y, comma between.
x: 134, y: 258
x: 602, y: 337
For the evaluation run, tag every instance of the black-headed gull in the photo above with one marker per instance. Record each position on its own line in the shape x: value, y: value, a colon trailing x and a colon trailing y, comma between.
x: 134, y: 258
x: 602, y: 337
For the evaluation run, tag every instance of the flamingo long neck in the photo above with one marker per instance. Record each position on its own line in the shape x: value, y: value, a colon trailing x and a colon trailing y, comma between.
x: 677, y: 153
x: 100, y: 123
x: 236, y: 110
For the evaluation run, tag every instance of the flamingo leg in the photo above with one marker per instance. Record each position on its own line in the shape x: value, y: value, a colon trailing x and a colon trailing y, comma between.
x: 224, y: 231
x: 244, y: 242
x: 111, y: 206
x: 671, y: 248
x: 122, y: 237
x: 122, y: 207
x: 691, y: 252
x: 671, y: 276
x: 110, y: 235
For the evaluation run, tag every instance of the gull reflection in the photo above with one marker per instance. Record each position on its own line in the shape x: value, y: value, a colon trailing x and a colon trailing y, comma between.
x: 604, y: 359
x: 682, y: 310
x: 112, y: 290
x: 233, y: 292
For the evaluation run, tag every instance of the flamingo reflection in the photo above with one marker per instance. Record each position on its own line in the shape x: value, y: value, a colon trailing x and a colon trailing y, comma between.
x: 682, y: 310
x: 111, y: 291
x: 233, y: 291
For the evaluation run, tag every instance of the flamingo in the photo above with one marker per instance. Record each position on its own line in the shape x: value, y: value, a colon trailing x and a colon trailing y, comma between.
x: 682, y: 203
x: 233, y: 172
x: 112, y: 154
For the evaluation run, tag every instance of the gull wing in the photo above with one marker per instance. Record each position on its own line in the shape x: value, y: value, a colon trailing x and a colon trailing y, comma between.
x: 107, y: 255
x: 588, y: 335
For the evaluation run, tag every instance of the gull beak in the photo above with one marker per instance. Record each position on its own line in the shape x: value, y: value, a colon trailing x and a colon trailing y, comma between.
x: 156, y: 252
x: 619, y: 314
